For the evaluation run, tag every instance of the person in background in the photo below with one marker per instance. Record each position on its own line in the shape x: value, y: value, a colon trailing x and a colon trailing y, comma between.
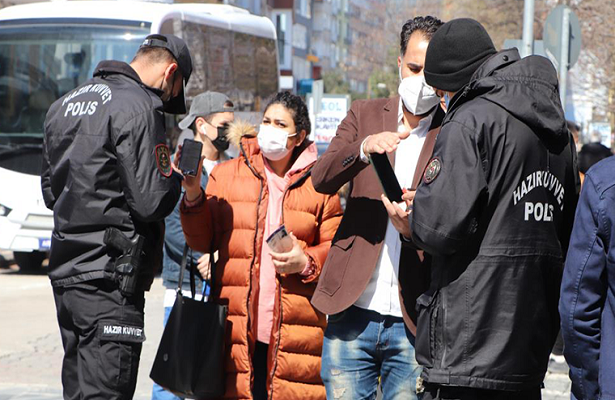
x: 587, y: 303
x: 590, y: 154
x: 275, y: 340
x: 373, y: 275
x: 574, y: 130
x: 495, y: 211
x: 209, y: 117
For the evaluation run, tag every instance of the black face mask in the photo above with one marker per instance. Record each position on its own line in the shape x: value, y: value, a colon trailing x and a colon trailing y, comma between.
x: 174, y: 105
x: 221, y: 143
x: 177, y: 105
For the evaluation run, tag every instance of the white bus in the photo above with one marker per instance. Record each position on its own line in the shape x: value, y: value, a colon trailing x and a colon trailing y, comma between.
x: 47, y: 49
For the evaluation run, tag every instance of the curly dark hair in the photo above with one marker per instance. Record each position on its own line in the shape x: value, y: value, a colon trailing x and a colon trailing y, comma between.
x: 426, y: 25
x: 297, y: 108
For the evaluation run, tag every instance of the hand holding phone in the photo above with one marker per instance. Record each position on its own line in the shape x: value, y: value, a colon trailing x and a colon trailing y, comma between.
x: 280, y: 241
x: 190, y: 160
x: 191, y: 184
x: 286, y: 253
x: 386, y: 176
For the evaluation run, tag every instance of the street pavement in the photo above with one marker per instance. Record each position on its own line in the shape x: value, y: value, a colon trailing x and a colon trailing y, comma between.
x: 31, y: 348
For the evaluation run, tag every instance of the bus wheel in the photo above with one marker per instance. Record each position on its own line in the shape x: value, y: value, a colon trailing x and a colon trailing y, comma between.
x: 29, y: 261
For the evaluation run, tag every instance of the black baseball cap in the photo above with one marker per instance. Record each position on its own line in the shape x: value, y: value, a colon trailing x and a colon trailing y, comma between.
x: 178, y: 48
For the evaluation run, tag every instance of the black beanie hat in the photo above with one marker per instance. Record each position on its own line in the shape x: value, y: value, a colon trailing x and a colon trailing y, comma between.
x: 455, y: 52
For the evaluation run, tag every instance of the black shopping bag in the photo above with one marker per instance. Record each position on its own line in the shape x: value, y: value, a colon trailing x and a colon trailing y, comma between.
x: 190, y: 357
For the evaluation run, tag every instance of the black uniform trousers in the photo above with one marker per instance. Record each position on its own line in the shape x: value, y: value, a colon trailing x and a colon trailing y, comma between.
x: 102, y: 334
x: 437, y: 392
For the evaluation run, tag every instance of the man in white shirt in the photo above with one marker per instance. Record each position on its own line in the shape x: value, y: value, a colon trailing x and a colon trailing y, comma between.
x: 372, y: 277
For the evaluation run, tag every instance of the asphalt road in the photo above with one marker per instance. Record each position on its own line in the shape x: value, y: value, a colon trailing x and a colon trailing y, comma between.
x: 30, y: 345
x: 31, y: 350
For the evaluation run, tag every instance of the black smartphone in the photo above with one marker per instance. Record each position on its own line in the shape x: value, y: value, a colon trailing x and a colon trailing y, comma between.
x: 190, y: 160
x: 386, y: 176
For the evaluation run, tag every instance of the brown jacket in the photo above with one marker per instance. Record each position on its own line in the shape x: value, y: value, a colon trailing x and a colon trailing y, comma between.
x: 356, y: 246
x: 232, y: 221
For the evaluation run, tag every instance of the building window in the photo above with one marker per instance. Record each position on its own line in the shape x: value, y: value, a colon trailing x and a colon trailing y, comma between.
x: 300, y: 36
x: 303, y: 7
x: 281, y: 32
x: 282, y: 21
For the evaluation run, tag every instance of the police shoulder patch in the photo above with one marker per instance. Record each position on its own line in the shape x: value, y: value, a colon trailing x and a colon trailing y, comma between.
x: 432, y: 170
x: 163, y: 160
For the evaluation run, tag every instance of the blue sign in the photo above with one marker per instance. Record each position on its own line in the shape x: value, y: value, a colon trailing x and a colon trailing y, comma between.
x: 44, y: 244
x: 304, y: 86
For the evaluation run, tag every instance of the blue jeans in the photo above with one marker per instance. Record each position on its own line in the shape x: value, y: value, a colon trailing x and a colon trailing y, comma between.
x: 158, y: 393
x: 361, y: 346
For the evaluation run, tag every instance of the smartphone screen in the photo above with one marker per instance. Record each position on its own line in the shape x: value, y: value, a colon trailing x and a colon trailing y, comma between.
x: 190, y: 160
x: 387, y: 177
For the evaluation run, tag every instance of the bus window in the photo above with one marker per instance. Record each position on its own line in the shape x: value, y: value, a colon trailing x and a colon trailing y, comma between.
x: 194, y: 35
x: 267, y: 70
x: 218, y: 60
x: 242, y: 66
x: 39, y: 63
x: 170, y: 26
x: 244, y: 69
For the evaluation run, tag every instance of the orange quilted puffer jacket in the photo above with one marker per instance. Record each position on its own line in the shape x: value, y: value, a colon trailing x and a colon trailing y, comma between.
x: 232, y: 221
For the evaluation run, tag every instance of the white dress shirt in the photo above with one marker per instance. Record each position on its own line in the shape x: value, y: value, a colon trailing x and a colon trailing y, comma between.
x: 382, y: 293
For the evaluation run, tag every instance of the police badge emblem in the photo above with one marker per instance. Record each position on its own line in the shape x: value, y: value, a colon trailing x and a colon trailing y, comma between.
x: 163, y: 160
x: 432, y: 170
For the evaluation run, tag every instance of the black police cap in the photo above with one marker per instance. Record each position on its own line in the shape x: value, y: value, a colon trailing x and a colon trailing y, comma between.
x: 178, y: 49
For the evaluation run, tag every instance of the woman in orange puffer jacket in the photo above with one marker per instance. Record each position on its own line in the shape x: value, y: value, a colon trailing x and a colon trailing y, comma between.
x: 274, y: 335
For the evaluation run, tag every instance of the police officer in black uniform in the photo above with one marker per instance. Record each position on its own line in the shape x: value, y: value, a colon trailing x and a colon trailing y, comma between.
x: 495, y: 210
x: 107, y: 177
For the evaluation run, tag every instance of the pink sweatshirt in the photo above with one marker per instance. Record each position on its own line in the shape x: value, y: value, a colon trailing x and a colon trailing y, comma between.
x: 267, y: 281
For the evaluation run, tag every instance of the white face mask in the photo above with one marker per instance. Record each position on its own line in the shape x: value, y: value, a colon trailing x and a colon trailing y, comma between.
x: 272, y: 142
x: 417, y: 95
